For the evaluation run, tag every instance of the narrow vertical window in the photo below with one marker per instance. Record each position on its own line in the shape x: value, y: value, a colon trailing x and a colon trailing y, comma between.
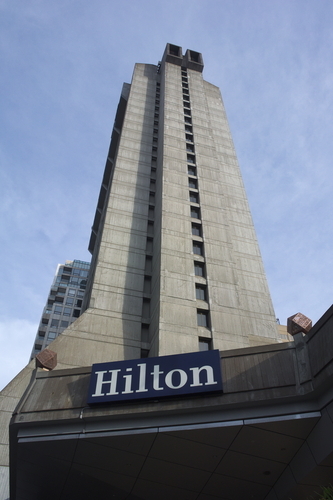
x: 200, y: 292
x: 202, y: 318
x: 197, y: 248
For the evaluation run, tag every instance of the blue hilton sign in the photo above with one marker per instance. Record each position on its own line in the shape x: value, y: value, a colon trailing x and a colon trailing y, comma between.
x: 176, y: 375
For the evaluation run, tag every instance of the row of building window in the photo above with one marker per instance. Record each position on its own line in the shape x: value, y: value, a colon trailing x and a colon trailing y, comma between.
x: 150, y: 231
x: 194, y: 198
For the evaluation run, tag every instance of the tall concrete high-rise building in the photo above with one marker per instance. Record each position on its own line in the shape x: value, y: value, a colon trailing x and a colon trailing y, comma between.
x: 176, y: 264
x: 176, y: 270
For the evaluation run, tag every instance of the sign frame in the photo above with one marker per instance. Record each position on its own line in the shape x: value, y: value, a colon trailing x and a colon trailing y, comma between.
x: 158, y: 377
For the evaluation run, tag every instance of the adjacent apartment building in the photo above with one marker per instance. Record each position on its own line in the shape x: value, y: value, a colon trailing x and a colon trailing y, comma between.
x: 63, y: 304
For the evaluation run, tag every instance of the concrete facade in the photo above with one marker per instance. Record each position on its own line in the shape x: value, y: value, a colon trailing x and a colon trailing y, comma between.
x: 176, y: 266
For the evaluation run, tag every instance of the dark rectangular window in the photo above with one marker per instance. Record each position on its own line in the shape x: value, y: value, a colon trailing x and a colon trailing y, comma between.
x: 195, y: 212
x: 196, y: 229
x: 186, y: 104
x: 194, y: 197
x: 189, y: 129
x: 200, y: 292
x: 83, y: 284
x: 64, y: 324
x: 205, y: 344
x: 174, y: 50
x: 190, y: 148
x: 191, y: 158
x: 194, y: 56
x: 188, y: 119
x: 189, y: 137
x: 197, y: 248
x: 193, y: 183
x: 202, y: 318
x: 199, y: 269
x: 191, y: 171
x: 76, y: 313
x: 187, y: 112
x: 55, y: 323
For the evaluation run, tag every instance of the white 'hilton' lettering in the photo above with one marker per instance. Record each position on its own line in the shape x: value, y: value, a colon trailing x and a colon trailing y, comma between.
x: 156, y: 378
x: 157, y: 382
x: 112, y: 382
x: 182, y: 379
x: 142, y: 378
x: 196, y: 376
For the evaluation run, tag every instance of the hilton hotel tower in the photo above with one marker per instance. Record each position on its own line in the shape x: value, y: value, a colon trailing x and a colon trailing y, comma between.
x: 176, y: 265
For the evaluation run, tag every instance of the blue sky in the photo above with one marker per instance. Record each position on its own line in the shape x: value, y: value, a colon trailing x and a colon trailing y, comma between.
x: 62, y: 67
